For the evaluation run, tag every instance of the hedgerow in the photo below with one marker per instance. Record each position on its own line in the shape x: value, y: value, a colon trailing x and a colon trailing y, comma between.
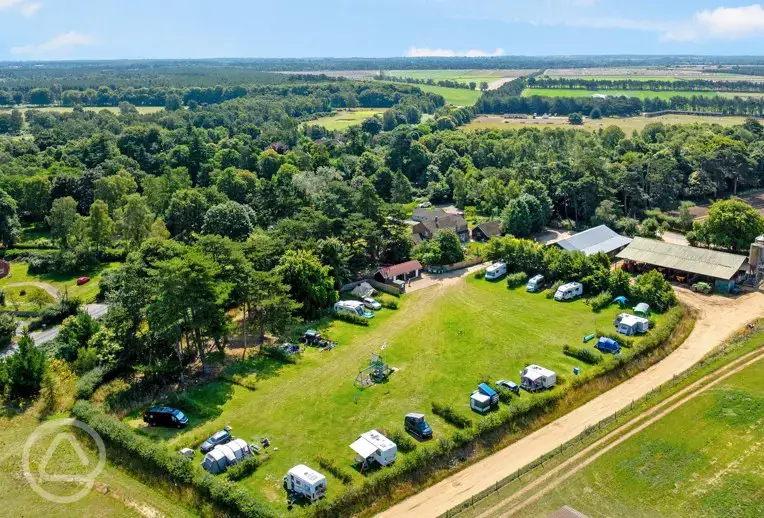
x: 451, y: 416
x: 585, y: 355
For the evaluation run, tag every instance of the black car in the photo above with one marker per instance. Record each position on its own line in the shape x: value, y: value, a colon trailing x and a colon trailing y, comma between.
x: 417, y: 426
x: 165, y: 416
x: 221, y: 437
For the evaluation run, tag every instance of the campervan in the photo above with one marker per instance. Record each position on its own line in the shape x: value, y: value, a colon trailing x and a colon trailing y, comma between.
x: 496, y: 270
x: 372, y: 445
x: 535, y: 284
x: 569, y: 291
x: 305, y: 482
x: 353, y: 307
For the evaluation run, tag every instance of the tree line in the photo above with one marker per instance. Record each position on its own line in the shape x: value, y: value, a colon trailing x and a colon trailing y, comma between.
x: 655, y: 85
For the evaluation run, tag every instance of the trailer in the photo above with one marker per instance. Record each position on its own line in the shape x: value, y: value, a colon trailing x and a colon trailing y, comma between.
x: 631, y: 324
x: 496, y: 270
x: 304, y: 482
x: 536, y: 283
x: 534, y: 378
x: 372, y: 446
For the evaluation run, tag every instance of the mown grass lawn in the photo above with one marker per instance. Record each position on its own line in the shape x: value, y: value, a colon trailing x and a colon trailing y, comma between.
x: 86, y: 293
x: 442, y: 341
x: 343, y: 119
x: 703, y: 459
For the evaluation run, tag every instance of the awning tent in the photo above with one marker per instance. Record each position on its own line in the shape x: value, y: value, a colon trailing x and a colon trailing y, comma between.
x: 363, y: 448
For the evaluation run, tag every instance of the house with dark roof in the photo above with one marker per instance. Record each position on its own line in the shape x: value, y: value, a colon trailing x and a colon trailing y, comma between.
x: 425, y: 229
x: 486, y: 230
x: 594, y: 240
x: 401, y: 271
x: 427, y: 214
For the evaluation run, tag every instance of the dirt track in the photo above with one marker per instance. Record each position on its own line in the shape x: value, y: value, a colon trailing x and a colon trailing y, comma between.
x: 718, y: 317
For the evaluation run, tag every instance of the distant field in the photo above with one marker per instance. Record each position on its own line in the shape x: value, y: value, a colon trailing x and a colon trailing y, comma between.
x: 343, y: 119
x: 455, y: 96
x: 703, y: 459
x: 462, y: 76
x: 627, y: 124
x: 646, y: 74
x: 640, y: 94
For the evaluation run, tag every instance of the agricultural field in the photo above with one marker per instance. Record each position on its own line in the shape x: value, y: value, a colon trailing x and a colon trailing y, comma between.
x: 343, y: 119
x: 627, y: 124
x: 640, y: 94
x: 455, y: 96
x: 462, y: 76
x: 646, y: 74
x: 442, y: 341
x: 703, y: 459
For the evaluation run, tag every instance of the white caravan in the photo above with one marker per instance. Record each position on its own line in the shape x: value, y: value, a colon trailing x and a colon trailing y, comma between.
x: 496, y: 270
x: 372, y: 445
x: 305, y: 482
x: 569, y: 291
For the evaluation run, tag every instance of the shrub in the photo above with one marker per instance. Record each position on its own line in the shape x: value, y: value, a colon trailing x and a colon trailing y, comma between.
x: 589, y: 356
x: 350, y: 318
x: 272, y: 351
x: 553, y: 289
x: 601, y: 301
x: 480, y: 274
x: 451, y: 416
x: 55, y: 313
x: 243, y: 468
x: 7, y: 329
x: 401, y: 439
x: 505, y: 395
x: 516, y: 279
x: 335, y: 470
x: 89, y: 382
x: 389, y: 303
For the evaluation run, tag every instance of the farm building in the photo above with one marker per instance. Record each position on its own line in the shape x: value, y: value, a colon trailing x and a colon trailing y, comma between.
x: 401, y: 271
x: 597, y: 239
x: 686, y: 263
x: 425, y: 229
x: 427, y: 214
x: 486, y: 230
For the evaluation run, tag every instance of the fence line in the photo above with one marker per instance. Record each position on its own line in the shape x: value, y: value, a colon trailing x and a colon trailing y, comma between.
x: 589, y: 430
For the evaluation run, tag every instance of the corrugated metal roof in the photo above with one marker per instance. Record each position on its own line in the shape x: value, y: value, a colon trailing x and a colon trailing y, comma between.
x: 399, y: 269
x: 597, y: 239
x: 702, y: 261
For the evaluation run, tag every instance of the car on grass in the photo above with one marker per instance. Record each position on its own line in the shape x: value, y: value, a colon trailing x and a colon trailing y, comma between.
x: 83, y: 280
x: 372, y: 304
x: 416, y: 425
x: 509, y: 385
x: 221, y: 437
x: 165, y: 416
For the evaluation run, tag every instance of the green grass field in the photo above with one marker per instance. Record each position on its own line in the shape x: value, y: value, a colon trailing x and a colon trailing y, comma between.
x: 343, y: 119
x: 86, y: 293
x: 462, y: 76
x: 641, y: 94
x: 703, y: 459
x: 442, y: 341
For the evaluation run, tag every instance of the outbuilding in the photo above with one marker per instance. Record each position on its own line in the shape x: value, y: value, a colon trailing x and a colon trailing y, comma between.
x: 594, y: 240
x: 486, y: 230
x: 401, y: 272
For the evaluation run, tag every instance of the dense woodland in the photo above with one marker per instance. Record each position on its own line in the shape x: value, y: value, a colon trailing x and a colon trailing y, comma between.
x: 233, y: 203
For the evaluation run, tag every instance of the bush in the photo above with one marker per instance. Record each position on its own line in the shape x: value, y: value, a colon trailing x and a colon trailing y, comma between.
x: 505, y: 395
x: 451, y: 416
x: 89, y: 382
x: 7, y: 329
x: 272, y: 351
x: 601, y: 301
x: 480, y: 274
x: 401, y: 439
x: 589, y: 356
x: 154, y: 456
x: 55, y: 313
x: 517, y: 279
x: 389, y: 303
x: 350, y: 318
x: 243, y: 468
x: 553, y: 289
x: 335, y: 470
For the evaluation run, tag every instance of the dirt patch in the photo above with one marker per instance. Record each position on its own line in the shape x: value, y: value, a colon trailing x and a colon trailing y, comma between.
x: 755, y: 200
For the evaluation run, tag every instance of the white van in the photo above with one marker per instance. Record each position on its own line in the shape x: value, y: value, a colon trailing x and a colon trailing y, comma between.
x: 569, y: 291
x: 496, y: 270
x: 535, y: 284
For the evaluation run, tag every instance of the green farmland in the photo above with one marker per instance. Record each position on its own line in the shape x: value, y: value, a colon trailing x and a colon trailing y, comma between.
x: 343, y: 119
x: 640, y: 94
x: 455, y: 96
x: 462, y: 76
x: 442, y: 342
x: 703, y: 459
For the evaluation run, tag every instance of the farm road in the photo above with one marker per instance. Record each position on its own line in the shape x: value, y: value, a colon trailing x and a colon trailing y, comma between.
x: 717, y: 318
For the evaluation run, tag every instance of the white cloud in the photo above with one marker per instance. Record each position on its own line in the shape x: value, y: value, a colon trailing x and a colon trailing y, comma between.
x: 732, y: 22
x: 30, y: 10
x: 58, y: 43
x: 7, y: 4
x: 419, y: 52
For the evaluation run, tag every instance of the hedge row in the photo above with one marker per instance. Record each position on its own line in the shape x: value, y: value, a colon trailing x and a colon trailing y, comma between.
x: 89, y: 382
x: 515, y: 280
x: 350, y: 318
x: 589, y: 356
x: 451, y: 416
x: 336, y: 471
x: 154, y: 457
x: 243, y: 468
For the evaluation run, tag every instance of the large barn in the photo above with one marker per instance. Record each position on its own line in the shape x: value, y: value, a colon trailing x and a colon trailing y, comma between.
x: 594, y: 240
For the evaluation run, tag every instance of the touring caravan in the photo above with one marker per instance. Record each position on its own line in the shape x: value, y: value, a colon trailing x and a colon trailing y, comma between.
x: 569, y: 291
x: 534, y: 378
x: 496, y: 270
x: 353, y: 307
x: 372, y: 445
x: 305, y: 482
x: 631, y: 324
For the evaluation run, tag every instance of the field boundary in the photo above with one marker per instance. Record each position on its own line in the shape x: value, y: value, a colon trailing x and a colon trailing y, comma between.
x: 648, y: 399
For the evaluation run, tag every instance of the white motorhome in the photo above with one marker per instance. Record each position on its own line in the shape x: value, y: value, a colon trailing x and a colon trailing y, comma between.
x: 535, y: 377
x: 353, y: 307
x: 569, y: 291
x: 372, y: 445
x: 496, y: 270
x: 535, y: 284
x: 306, y: 482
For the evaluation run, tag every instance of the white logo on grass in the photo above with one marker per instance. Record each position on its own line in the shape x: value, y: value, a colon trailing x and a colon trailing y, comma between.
x: 64, y: 436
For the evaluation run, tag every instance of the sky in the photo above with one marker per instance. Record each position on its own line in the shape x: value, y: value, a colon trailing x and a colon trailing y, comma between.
x: 134, y: 29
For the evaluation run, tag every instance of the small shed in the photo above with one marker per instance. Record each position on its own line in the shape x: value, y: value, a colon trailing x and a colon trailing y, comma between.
x: 402, y: 272
x: 215, y: 462
x: 631, y: 325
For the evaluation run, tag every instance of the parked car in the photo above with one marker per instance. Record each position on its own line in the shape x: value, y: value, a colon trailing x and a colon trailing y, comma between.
x: 165, y: 416
x: 509, y: 385
x: 372, y: 304
x: 221, y: 437
x: 416, y: 425
x: 83, y: 280
x: 702, y: 287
